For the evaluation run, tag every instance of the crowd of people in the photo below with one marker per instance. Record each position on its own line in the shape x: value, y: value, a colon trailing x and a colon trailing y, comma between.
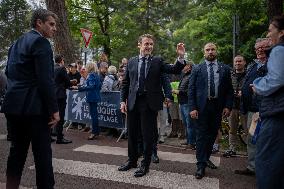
x: 193, y: 102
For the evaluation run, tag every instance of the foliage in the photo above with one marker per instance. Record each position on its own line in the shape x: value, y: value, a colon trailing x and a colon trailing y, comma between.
x: 191, y: 22
x: 118, y: 23
x: 14, y: 22
x: 212, y: 22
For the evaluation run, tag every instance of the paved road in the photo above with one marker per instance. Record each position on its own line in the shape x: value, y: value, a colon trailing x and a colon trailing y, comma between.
x: 93, y: 164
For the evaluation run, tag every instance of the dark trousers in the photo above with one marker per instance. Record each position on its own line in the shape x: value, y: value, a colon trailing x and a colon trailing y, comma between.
x: 155, y: 143
x: 269, y: 158
x: 8, y: 129
x: 94, y: 116
x: 59, y: 127
x: 208, y: 124
x: 143, y: 119
x: 26, y: 130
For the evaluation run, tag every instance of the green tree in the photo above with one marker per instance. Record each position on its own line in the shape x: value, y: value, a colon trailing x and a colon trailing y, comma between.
x: 14, y: 21
x: 212, y: 22
x: 117, y: 24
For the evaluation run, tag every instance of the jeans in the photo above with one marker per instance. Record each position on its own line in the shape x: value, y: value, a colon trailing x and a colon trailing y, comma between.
x: 190, y: 129
x: 250, y: 146
x: 269, y: 157
x: 94, y: 116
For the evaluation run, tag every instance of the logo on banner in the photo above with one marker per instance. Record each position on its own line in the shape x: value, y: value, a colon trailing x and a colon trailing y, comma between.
x: 87, y: 35
x: 77, y: 105
x: 109, y: 114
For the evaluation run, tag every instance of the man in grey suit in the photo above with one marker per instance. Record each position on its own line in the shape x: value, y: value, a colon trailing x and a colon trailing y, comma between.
x: 210, y: 97
x: 142, y: 91
x: 30, y: 103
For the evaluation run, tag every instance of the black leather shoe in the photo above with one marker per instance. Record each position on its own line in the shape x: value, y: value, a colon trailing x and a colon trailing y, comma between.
x: 52, y: 140
x: 199, y: 174
x: 63, y: 141
x: 245, y: 172
x: 127, y: 166
x: 211, y: 165
x: 9, y: 138
x: 155, y: 159
x: 143, y: 170
x: 53, y: 134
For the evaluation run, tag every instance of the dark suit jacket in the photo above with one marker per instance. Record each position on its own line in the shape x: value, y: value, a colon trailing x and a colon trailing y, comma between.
x: 155, y: 67
x: 30, y: 73
x: 198, y: 87
x: 62, y: 81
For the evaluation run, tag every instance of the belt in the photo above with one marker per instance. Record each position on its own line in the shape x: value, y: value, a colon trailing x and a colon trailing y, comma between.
x: 141, y: 93
x: 211, y: 98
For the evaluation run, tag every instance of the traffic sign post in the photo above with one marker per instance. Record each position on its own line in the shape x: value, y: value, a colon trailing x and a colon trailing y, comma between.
x: 87, y: 35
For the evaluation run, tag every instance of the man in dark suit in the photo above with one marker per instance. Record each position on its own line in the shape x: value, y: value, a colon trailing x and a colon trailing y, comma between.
x: 210, y: 97
x: 142, y: 91
x: 62, y: 82
x: 30, y: 103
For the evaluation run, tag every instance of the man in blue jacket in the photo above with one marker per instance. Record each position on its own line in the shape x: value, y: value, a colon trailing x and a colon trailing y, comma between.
x: 210, y: 97
x: 250, y: 102
x: 30, y: 103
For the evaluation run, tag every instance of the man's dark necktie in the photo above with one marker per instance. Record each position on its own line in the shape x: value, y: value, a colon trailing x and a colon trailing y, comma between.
x: 212, y: 84
x: 142, y: 75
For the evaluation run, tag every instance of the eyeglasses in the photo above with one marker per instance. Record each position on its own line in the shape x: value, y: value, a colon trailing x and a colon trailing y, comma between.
x: 261, y: 48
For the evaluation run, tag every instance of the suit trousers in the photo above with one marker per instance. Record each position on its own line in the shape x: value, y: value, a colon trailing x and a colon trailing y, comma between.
x: 269, y: 158
x: 208, y: 124
x: 59, y: 127
x: 141, y: 118
x: 26, y: 130
x: 155, y: 143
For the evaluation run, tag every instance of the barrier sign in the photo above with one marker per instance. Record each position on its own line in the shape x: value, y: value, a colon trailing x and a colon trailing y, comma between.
x: 109, y: 114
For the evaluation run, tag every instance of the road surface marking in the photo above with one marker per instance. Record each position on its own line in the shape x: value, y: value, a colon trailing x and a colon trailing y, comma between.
x: 3, y: 137
x: 3, y: 185
x: 158, y: 179
x: 184, y: 158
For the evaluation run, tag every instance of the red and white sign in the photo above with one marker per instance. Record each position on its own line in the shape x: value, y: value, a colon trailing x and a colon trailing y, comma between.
x: 87, y: 35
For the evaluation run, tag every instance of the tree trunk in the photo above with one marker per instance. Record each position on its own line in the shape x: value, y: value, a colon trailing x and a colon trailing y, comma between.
x: 275, y: 7
x: 63, y: 42
x: 104, y: 26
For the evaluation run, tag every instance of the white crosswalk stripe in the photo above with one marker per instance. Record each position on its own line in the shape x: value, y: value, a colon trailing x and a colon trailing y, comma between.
x: 3, y: 137
x: 158, y: 179
x: 3, y: 186
x: 184, y: 158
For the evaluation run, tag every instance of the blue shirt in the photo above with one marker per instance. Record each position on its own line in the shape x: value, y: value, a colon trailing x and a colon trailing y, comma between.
x: 275, y: 73
x: 140, y: 63
x: 258, y: 63
x: 216, y: 76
